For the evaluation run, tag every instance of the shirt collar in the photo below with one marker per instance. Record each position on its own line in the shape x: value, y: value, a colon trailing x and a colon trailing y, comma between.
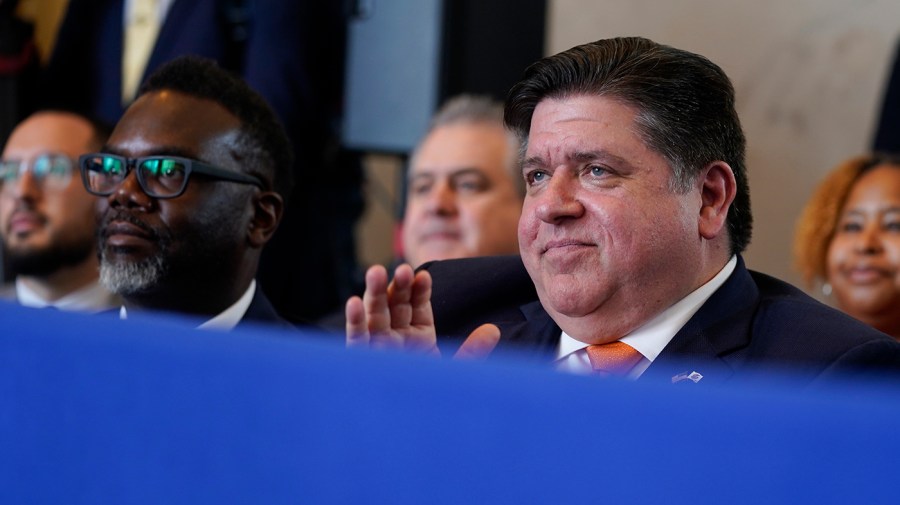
x: 230, y: 317
x: 653, y: 336
x: 90, y: 298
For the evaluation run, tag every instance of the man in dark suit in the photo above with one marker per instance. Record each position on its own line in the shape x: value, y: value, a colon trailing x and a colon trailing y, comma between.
x: 193, y: 179
x: 636, y: 212
x: 292, y: 53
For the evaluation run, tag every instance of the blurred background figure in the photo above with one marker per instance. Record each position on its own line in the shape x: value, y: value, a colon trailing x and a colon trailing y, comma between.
x: 289, y: 51
x: 47, y: 219
x: 848, y: 240
x: 465, y: 190
x: 19, y: 68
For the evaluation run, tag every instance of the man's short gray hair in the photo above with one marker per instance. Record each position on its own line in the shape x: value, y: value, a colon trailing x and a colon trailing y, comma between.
x: 480, y: 109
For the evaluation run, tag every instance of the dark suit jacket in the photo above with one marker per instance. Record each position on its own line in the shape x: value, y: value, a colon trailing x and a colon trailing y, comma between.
x: 754, y: 324
x: 261, y: 311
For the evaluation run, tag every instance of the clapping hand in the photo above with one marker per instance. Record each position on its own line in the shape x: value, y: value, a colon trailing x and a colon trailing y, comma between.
x: 398, y: 315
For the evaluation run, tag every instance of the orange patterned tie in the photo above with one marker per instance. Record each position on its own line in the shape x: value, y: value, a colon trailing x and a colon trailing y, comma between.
x: 614, y: 358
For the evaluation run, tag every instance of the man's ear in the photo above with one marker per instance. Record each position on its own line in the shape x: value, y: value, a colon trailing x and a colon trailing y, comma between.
x: 268, y: 208
x: 717, y: 190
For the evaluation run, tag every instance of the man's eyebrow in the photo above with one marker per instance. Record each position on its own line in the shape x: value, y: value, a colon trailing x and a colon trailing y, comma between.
x: 110, y: 150
x: 157, y: 151
x: 578, y: 157
x: 463, y: 171
x: 599, y: 155
x: 467, y: 171
x: 533, y: 162
x: 419, y: 175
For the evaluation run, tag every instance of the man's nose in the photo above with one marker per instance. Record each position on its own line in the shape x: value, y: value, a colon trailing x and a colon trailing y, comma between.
x: 26, y: 186
x: 442, y: 199
x: 130, y: 194
x: 559, y: 200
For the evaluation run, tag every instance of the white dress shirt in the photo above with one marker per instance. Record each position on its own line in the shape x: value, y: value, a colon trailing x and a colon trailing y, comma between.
x: 653, y: 336
x: 162, y: 7
x: 91, y: 298
x: 142, y: 21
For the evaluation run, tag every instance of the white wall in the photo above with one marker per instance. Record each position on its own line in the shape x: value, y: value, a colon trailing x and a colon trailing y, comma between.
x: 809, y: 76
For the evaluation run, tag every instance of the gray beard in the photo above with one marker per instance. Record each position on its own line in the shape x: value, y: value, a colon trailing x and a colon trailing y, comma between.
x: 131, y: 278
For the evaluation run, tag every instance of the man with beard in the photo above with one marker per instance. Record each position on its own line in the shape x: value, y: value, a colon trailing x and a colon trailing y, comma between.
x: 47, y: 220
x: 193, y: 178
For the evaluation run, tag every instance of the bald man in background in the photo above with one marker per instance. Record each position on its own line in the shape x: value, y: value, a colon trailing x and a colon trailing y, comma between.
x: 47, y: 219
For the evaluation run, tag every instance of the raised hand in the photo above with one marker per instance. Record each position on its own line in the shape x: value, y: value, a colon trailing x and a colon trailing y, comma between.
x: 393, y: 315
x: 398, y: 315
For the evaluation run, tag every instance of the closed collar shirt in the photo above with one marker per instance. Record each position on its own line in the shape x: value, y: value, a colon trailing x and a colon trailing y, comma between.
x: 91, y: 298
x: 652, y: 337
x: 228, y: 318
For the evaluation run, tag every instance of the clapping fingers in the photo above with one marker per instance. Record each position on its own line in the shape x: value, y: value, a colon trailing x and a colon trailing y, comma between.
x: 420, y: 301
x: 479, y: 343
x: 409, y: 303
x: 398, y: 297
x: 421, y: 330
x: 370, y: 313
x: 356, y: 327
x: 375, y: 301
x: 396, y: 314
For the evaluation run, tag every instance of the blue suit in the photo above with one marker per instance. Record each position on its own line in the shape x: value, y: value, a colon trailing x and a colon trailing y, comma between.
x: 754, y: 324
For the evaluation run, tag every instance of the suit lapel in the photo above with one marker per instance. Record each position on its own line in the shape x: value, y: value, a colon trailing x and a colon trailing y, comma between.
x: 535, y: 334
x: 708, y: 345
x: 262, y: 311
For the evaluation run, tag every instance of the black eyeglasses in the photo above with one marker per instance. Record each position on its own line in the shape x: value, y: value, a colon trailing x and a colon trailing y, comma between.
x: 158, y: 176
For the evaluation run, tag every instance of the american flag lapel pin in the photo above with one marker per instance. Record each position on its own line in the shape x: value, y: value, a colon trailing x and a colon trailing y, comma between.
x: 693, y: 376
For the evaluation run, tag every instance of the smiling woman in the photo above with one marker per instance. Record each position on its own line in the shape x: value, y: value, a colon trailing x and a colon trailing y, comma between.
x: 848, y: 238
